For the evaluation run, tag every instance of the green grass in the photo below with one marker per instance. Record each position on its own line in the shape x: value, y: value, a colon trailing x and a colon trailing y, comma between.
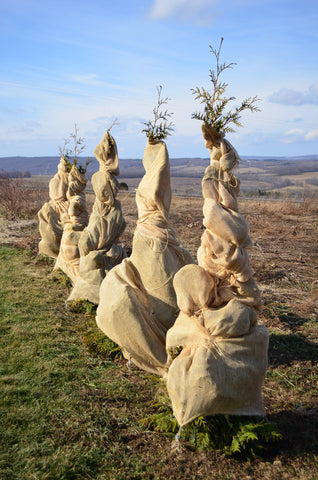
x: 70, y: 408
x: 58, y: 418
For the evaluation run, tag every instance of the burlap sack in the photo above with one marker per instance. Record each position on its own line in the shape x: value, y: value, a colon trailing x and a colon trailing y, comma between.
x: 137, y: 299
x: 223, y: 259
x: 125, y: 315
x: 97, y: 244
x: 51, y: 230
x: 58, y: 185
x: 221, y: 367
x: 107, y: 155
x: 223, y: 250
x: 50, y: 223
x: 93, y: 268
x: 157, y: 254
x: 157, y: 268
x: 154, y: 190
x: 68, y: 257
x: 74, y: 223
x: 228, y: 224
x: 223, y: 356
x: 103, y: 229
x: 193, y: 286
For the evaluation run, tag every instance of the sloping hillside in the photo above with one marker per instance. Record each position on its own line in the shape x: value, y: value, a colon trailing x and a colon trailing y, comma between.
x: 257, y: 174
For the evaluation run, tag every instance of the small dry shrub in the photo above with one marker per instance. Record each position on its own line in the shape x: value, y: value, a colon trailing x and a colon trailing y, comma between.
x: 30, y: 242
x: 20, y: 199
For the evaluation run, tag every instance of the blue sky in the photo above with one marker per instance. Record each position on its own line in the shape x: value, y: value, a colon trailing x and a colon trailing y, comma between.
x: 67, y: 62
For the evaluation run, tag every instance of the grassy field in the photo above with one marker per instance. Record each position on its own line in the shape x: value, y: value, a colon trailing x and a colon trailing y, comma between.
x: 69, y: 411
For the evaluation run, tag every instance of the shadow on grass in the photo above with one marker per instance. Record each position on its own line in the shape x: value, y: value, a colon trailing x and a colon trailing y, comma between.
x: 285, y: 348
x: 282, y: 314
x: 299, y: 429
x: 292, y: 320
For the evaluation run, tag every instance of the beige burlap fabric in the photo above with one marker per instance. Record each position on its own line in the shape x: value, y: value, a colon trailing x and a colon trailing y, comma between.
x: 125, y: 315
x: 223, y: 358
x: 223, y: 249
x: 50, y: 224
x: 97, y: 244
x: 74, y: 222
x: 137, y: 298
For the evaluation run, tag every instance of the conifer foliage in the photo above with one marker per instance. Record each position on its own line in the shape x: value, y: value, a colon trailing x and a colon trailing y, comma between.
x: 215, y: 113
x: 160, y: 127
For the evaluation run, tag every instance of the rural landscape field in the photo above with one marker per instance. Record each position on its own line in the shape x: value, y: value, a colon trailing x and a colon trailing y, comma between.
x: 72, y: 411
x: 278, y: 177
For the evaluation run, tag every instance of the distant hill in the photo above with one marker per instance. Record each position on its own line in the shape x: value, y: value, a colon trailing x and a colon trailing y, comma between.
x: 260, y: 175
x: 179, y: 166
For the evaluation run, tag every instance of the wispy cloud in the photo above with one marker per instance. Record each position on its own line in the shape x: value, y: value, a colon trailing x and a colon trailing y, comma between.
x: 312, y: 135
x: 286, y: 96
x: 299, y: 135
x: 12, y: 110
x: 201, y: 12
x: 26, y: 127
x: 294, y: 135
x: 90, y: 78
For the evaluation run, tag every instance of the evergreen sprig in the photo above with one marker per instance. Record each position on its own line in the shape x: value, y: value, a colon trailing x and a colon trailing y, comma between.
x: 160, y: 127
x: 94, y: 339
x: 215, y: 103
x: 246, y: 436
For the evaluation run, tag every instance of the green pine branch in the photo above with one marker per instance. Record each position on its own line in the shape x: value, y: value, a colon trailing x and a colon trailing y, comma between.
x: 215, y: 104
x: 160, y: 127
x: 246, y: 436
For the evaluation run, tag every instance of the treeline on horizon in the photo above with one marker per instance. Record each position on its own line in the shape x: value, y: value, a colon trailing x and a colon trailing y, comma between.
x: 15, y: 174
x: 24, y: 167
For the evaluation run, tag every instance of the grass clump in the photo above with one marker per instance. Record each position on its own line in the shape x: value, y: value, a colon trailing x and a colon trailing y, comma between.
x: 98, y: 343
x: 82, y: 306
x: 60, y: 277
x: 94, y: 339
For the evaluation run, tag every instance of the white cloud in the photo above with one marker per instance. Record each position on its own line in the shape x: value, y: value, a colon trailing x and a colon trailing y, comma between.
x: 88, y: 78
x: 201, y: 12
x: 295, y: 131
x: 311, y: 135
x: 285, y: 96
x: 294, y: 135
x: 165, y: 8
x: 25, y: 128
x: 299, y: 135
